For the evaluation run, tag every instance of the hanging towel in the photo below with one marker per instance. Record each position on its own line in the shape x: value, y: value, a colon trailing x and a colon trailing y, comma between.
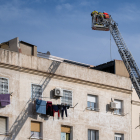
x: 49, y: 110
x: 4, y: 99
x: 40, y: 106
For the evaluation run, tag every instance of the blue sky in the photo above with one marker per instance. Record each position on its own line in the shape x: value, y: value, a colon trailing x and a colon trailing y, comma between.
x: 63, y: 27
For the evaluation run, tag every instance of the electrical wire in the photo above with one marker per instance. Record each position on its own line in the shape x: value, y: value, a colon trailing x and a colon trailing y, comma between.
x: 110, y: 47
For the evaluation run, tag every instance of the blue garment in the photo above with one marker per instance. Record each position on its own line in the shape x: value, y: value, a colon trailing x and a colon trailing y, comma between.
x: 40, y: 106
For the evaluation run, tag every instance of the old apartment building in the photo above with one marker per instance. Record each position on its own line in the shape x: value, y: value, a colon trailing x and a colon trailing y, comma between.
x: 86, y: 102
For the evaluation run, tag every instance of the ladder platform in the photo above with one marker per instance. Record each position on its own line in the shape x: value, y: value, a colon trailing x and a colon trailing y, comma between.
x: 100, y: 28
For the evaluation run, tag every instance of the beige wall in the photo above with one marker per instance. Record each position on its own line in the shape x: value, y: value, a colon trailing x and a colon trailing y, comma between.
x: 15, y: 46
x: 25, y: 49
x: 28, y: 50
x: 23, y: 70
x: 120, y: 68
x: 11, y: 45
x: 135, y: 116
x: 5, y: 46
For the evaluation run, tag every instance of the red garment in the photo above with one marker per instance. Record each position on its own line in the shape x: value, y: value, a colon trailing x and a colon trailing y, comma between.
x: 55, y: 109
x: 106, y: 15
x: 49, y: 109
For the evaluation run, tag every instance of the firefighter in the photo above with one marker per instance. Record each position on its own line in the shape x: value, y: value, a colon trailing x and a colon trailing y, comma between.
x: 106, y: 15
x: 94, y: 15
x: 101, y: 16
x: 94, y: 12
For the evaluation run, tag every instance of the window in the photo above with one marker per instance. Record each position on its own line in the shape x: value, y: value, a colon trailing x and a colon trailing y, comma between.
x: 3, y: 125
x: 67, y: 97
x: 118, y: 107
x: 119, y: 137
x: 36, y: 91
x: 93, y: 135
x: 36, y: 130
x: 3, y: 86
x: 65, y: 133
x: 92, y: 102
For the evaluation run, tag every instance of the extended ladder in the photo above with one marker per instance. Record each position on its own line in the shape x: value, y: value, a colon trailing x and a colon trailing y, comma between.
x: 126, y: 55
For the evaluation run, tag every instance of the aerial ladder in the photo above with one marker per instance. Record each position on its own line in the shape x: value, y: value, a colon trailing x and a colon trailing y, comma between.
x: 108, y: 24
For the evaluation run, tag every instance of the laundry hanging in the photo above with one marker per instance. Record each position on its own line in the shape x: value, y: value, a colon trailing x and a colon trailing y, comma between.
x: 49, y: 110
x: 40, y: 106
x: 4, y: 99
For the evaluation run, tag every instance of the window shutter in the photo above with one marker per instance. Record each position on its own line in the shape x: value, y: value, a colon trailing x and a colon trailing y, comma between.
x: 2, y: 125
x: 89, y: 135
x: 91, y: 99
x: 93, y: 135
x: 35, y: 126
x: 65, y: 129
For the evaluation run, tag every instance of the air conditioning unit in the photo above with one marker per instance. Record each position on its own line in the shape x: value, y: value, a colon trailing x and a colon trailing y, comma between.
x: 58, y: 92
x: 112, y: 105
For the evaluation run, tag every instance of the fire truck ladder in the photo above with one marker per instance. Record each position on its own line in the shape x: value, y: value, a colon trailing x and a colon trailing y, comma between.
x: 126, y: 55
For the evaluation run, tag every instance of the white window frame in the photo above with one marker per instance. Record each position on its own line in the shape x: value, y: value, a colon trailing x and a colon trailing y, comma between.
x: 7, y: 125
x: 96, y: 133
x: 72, y: 96
x: 8, y: 82
x: 121, y: 107
x: 96, y: 98
x: 36, y: 85
x: 118, y: 135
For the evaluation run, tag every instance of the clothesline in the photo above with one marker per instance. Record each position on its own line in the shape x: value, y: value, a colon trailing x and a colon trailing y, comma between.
x: 40, y: 97
x: 9, y: 93
x: 5, y: 100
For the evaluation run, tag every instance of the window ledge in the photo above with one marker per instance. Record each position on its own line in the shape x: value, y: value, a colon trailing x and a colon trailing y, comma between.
x: 118, y: 114
x: 38, y: 138
x: 5, y: 134
x: 96, y: 110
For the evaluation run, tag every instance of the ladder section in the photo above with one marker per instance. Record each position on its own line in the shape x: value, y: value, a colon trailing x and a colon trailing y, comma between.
x: 126, y: 56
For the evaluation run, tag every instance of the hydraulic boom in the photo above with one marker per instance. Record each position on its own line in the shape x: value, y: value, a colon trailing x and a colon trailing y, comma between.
x: 125, y: 54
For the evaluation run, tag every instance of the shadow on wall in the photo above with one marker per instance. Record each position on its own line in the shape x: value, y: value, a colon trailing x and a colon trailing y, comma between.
x: 108, y: 109
x: 28, y: 108
x: 52, y: 69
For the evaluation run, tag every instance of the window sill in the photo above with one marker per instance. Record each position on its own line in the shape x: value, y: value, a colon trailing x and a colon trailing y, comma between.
x: 5, y: 134
x: 38, y: 138
x: 118, y: 114
x: 96, y: 110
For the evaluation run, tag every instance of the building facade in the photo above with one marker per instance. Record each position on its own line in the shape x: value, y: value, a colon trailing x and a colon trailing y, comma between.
x: 89, y: 93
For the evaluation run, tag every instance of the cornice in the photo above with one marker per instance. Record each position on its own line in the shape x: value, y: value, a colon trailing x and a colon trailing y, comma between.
x: 64, y: 78
x: 135, y: 102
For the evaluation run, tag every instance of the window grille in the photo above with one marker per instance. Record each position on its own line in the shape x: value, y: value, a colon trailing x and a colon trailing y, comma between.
x: 36, y: 91
x: 67, y: 97
x: 3, y: 86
